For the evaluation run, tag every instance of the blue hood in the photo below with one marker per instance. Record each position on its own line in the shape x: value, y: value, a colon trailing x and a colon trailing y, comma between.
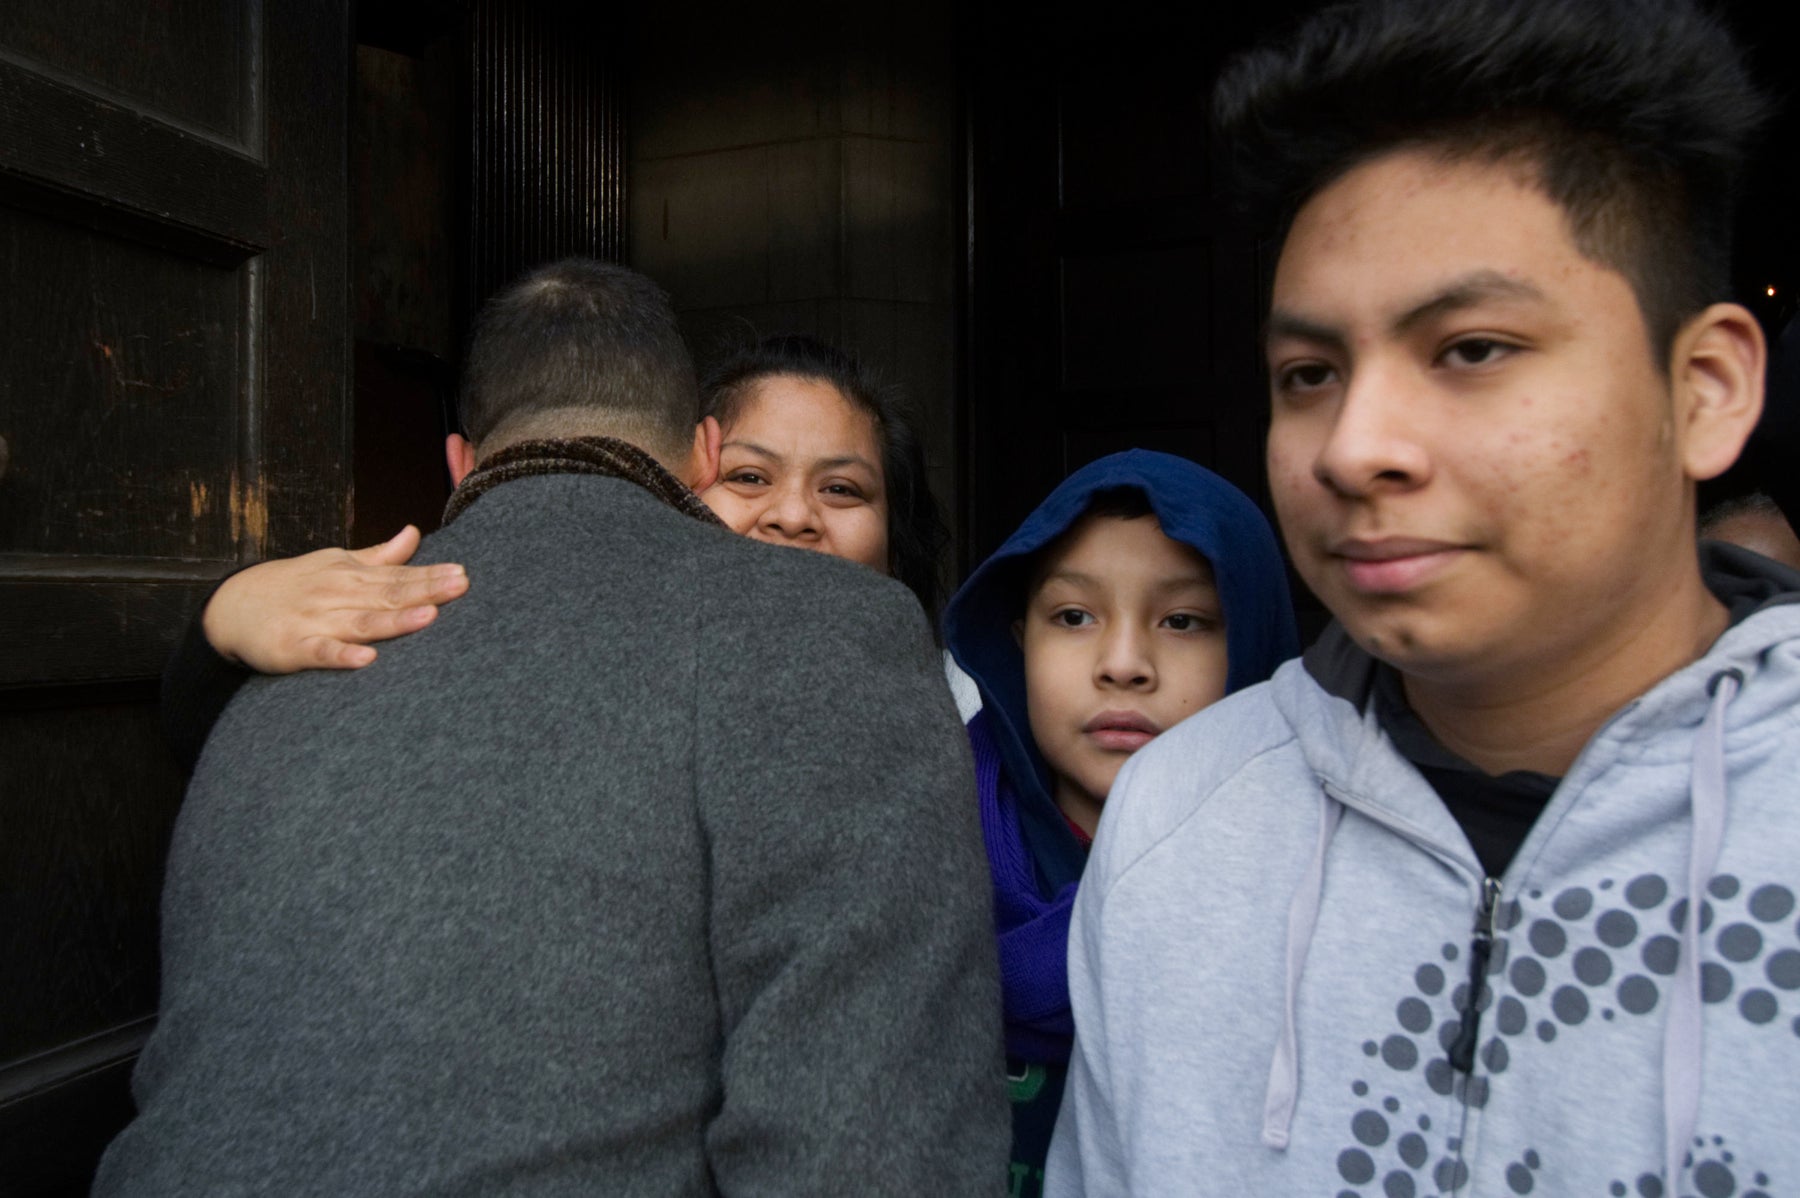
x: 1194, y: 506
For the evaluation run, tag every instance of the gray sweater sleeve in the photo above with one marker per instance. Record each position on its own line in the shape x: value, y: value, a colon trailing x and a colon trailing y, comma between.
x: 852, y: 935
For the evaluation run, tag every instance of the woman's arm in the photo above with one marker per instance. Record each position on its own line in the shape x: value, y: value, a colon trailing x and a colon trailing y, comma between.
x: 322, y: 610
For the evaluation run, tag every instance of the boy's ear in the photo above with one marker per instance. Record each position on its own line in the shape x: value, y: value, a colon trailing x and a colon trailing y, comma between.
x: 1018, y: 631
x: 1716, y: 375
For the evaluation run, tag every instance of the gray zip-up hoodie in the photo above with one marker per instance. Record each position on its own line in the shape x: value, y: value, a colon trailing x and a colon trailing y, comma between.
x: 1271, y: 954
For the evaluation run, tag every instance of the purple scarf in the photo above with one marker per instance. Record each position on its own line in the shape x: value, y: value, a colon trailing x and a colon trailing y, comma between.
x: 1033, y: 931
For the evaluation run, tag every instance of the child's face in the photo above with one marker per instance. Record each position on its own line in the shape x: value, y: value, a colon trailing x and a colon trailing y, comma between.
x: 1124, y: 636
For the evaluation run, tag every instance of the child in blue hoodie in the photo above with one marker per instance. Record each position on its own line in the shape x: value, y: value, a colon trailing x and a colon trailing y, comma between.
x: 1144, y: 588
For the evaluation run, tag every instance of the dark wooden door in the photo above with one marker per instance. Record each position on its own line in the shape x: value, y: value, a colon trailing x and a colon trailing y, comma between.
x: 173, y: 382
x: 1110, y: 302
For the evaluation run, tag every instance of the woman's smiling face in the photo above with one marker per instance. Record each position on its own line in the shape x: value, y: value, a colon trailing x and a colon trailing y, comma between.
x: 800, y: 465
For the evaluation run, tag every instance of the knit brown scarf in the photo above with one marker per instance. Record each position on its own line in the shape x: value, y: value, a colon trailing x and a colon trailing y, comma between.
x: 605, y: 456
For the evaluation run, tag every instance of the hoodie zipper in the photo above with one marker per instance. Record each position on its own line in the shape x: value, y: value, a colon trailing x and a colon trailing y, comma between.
x: 1461, y: 1052
x: 1481, y: 948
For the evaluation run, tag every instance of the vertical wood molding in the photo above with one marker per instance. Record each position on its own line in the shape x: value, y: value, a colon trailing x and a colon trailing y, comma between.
x: 546, y: 138
x: 293, y: 495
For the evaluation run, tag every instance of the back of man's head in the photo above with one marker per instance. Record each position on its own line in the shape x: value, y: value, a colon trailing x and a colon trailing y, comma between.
x: 1633, y: 115
x: 579, y: 348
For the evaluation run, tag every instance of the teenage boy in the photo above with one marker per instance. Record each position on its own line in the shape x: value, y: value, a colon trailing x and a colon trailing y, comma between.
x: 1142, y: 589
x: 1419, y: 915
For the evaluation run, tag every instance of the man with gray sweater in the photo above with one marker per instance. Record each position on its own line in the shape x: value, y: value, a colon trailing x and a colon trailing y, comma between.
x: 648, y: 869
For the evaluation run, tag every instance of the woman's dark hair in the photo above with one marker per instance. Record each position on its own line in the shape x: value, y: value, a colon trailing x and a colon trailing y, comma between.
x: 916, y: 534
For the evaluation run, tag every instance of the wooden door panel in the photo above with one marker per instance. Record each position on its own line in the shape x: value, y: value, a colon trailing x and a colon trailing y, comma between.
x: 1131, y: 126
x: 1196, y: 441
x: 188, y: 61
x: 173, y: 402
x: 88, y: 158
x: 1090, y: 179
x: 64, y: 622
x: 127, y: 397
x: 1137, y: 315
x: 118, y: 395
x: 81, y: 946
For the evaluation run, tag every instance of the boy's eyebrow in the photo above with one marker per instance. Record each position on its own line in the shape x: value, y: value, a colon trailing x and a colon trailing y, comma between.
x: 1175, y: 582
x: 1474, y: 288
x: 1074, y: 576
x: 1292, y: 324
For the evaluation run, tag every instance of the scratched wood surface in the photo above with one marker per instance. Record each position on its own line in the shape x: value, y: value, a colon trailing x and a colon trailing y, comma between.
x: 173, y: 402
x: 120, y: 396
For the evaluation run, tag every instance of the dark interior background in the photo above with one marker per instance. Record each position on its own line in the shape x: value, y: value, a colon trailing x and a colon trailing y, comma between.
x: 241, y: 244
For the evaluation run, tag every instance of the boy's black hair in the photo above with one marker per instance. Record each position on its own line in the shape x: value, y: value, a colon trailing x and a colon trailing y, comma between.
x: 1119, y: 503
x: 1755, y: 503
x: 580, y: 334
x: 1634, y: 115
x: 916, y: 533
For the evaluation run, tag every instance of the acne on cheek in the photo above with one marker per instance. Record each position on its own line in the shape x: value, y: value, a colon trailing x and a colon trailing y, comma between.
x: 1579, y: 460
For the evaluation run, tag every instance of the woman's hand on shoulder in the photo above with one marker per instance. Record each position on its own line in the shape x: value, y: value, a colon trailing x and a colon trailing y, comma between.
x: 323, y: 610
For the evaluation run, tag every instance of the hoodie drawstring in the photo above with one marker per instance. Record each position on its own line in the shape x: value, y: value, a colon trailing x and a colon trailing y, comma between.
x: 1682, y: 1034
x: 1303, y: 916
